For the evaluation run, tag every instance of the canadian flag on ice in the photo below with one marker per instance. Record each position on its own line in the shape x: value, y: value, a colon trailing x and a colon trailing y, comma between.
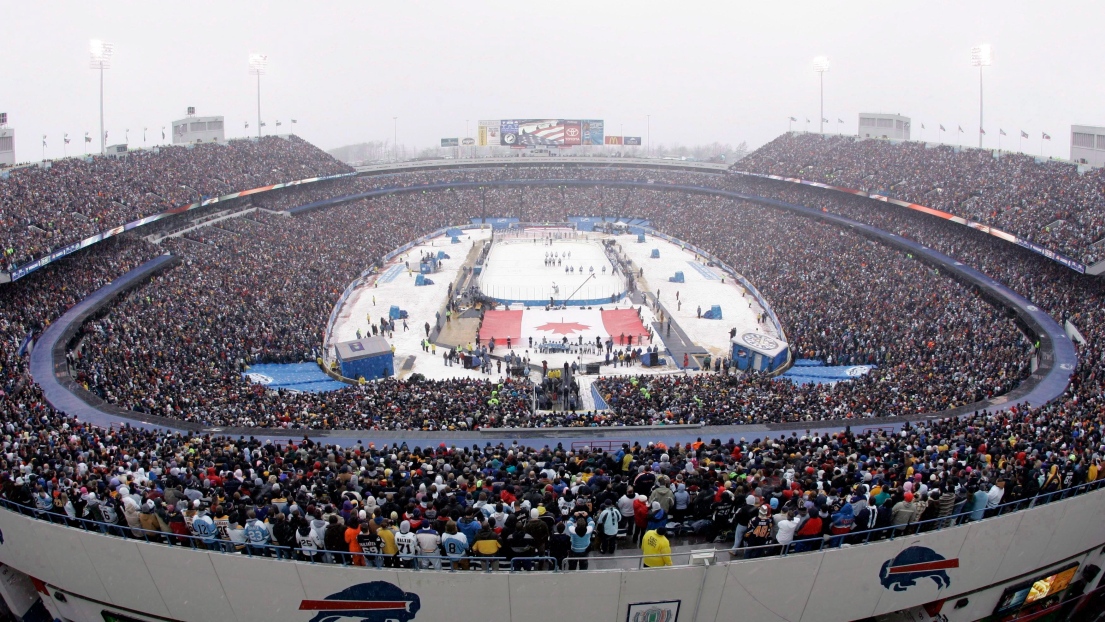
x: 557, y: 324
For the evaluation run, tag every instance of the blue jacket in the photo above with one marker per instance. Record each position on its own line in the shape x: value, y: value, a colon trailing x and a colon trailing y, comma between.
x: 580, y: 543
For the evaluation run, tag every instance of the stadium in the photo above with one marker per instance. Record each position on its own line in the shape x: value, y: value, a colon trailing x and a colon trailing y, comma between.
x: 845, y: 377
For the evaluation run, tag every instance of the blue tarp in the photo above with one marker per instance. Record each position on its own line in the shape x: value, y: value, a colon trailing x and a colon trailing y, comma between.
x: 452, y: 232
x: 678, y: 278
x: 305, y: 377
x: 824, y: 374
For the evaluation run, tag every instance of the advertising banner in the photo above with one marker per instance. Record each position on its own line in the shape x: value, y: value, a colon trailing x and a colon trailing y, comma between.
x: 573, y: 133
x: 632, y: 140
x: 593, y: 131
x: 487, y: 133
x: 541, y: 132
x: 450, y: 142
x: 613, y: 140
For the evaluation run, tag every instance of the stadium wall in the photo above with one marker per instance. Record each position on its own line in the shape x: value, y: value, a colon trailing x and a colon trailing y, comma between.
x: 94, y: 573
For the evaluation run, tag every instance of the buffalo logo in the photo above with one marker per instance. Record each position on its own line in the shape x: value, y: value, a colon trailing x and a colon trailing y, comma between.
x: 913, y: 563
x: 259, y: 378
x: 377, y: 601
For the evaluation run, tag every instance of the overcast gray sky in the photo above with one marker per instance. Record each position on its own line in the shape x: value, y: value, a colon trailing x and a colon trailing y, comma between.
x: 705, y: 71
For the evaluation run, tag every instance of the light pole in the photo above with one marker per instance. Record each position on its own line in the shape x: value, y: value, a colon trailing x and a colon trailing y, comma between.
x: 981, y: 56
x: 648, y: 135
x: 102, y: 51
x: 395, y: 138
x: 258, y: 63
x: 821, y: 65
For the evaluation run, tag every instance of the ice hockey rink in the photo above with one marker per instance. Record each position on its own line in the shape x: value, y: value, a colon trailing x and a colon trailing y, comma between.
x: 533, y: 271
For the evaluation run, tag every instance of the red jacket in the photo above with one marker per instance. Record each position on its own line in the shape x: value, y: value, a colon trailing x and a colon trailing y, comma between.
x: 640, y: 513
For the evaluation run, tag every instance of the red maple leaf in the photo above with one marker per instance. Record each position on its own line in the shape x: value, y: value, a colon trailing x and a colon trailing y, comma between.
x: 563, y: 328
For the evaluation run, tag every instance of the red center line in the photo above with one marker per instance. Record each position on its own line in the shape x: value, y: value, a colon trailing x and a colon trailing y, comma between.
x: 925, y: 566
x: 352, y: 605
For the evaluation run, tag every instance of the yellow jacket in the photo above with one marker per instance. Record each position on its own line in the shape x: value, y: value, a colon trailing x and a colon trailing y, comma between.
x: 656, y: 549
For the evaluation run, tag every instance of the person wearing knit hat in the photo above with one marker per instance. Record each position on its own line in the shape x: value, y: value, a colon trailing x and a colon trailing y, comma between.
x: 407, y: 545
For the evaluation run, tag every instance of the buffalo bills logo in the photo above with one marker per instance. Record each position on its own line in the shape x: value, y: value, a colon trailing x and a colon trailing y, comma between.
x: 913, y: 563
x: 377, y: 601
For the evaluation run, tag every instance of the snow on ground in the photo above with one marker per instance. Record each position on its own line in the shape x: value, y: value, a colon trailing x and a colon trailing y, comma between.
x: 523, y: 262
x: 704, y: 287
x: 394, y: 285
x: 516, y: 270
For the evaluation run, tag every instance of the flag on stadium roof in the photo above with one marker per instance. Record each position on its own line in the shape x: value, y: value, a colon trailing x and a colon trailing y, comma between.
x: 1002, y: 132
x: 1024, y: 134
x: 942, y: 128
x: 981, y: 131
x: 794, y: 119
x: 960, y: 129
x: 1046, y: 137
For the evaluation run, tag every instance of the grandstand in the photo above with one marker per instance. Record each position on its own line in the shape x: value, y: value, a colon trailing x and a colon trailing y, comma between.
x: 961, y: 468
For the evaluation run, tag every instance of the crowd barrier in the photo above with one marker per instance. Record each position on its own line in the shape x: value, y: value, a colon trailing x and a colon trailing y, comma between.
x: 857, y: 537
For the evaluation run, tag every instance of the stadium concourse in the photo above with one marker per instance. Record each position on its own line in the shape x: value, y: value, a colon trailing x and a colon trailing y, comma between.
x: 259, y: 289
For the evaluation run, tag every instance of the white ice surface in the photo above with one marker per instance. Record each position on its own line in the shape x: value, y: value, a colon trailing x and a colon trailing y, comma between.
x: 516, y: 270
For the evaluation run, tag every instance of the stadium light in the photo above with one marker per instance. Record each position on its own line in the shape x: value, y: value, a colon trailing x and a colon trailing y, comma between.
x: 258, y: 63
x: 821, y: 65
x: 981, y: 56
x: 101, y: 51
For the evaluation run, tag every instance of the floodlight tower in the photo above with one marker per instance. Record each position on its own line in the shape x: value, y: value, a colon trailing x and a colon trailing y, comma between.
x: 258, y: 63
x: 821, y: 65
x: 981, y: 56
x: 102, y: 51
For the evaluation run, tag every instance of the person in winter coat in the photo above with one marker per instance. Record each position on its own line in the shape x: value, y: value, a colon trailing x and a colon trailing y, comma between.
x: 902, y: 513
x: 487, y: 542
x: 283, y: 532
x: 682, y: 503
x: 656, y: 548
x: 662, y: 494
x: 807, y: 536
x: 640, y: 516
x: 657, y: 517
x: 843, y: 522
x: 407, y: 543
x: 334, y: 539
x: 560, y: 545
x: 148, y: 518
x: 308, y: 541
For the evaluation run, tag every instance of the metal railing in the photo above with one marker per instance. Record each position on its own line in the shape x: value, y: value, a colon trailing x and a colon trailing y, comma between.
x: 474, y: 562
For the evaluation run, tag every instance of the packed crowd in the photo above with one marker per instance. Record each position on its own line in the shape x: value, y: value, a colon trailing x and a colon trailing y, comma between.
x: 514, y: 501
x: 46, y: 207
x: 450, y: 506
x: 260, y: 291
x: 1048, y: 202
x: 844, y: 300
